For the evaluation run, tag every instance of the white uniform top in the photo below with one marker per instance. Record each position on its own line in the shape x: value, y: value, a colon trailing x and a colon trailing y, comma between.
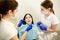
x: 7, y: 30
x: 50, y: 20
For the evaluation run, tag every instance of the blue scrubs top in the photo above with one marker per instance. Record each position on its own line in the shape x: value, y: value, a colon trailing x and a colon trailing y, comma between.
x: 32, y: 34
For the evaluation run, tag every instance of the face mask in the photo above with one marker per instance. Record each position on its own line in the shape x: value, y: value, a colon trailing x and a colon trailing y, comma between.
x: 43, y: 12
x: 12, y: 17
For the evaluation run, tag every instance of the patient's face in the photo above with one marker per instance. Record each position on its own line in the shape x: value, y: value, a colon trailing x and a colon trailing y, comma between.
x: 28, y: 19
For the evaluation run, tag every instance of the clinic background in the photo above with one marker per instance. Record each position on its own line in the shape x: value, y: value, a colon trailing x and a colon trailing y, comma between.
x: 33, y: 7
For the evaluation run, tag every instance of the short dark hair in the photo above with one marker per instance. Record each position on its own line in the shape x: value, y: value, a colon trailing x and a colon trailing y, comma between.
x: 25, y: 16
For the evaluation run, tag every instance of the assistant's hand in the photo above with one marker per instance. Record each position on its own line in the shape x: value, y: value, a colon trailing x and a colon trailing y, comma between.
x: 39, y: 23
x: 44, y: 28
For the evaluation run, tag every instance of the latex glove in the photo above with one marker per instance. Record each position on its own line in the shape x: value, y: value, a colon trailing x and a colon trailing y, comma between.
x: 44, y: 28
x: 39, y: 23
x: 20, y: 23
x: 29, y: 28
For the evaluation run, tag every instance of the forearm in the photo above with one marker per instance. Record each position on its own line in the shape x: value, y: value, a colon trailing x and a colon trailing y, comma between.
x: 25, y: 33
x: 23, y: 36
x: 51, y: 30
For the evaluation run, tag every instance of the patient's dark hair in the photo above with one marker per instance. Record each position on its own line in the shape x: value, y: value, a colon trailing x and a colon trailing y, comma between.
x: 6, y: 5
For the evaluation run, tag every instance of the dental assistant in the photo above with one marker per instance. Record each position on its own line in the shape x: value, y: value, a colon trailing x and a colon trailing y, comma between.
x: 49, y: 20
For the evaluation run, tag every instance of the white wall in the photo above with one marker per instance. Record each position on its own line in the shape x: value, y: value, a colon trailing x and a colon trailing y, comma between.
x: 33, y: 7
x: 57, y: 10
x: 29, y: 6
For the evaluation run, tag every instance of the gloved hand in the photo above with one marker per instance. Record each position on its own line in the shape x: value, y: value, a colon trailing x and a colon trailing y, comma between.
x: 44, y: 28
x: 20, y: 23
x: 29, y: 28
x: 39, y: 23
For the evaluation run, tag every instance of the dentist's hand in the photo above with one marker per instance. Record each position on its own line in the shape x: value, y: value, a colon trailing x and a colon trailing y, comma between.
x: 20, y: 23
x: 29, y: 28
